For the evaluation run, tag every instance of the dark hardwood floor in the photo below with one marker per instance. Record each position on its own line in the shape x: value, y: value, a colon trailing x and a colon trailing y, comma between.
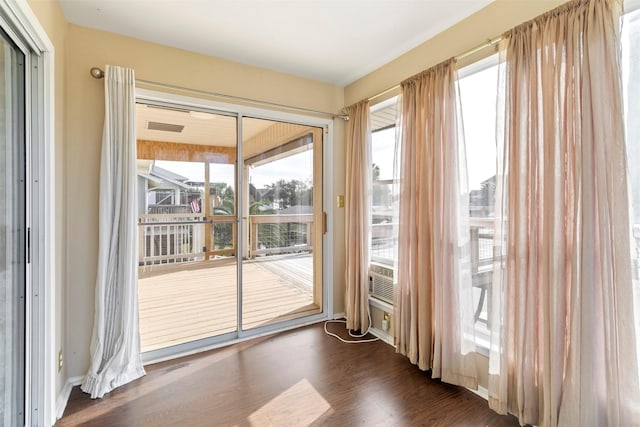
x: 296, y: 378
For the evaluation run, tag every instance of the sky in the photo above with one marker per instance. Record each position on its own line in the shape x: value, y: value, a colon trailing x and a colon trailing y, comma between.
x: 383, y: 150
x: 299, y: 166
x: 478, y: 93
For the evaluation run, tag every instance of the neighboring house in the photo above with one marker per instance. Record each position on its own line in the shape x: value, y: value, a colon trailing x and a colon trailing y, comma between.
x: 481, y: 201
x: 162, y: 191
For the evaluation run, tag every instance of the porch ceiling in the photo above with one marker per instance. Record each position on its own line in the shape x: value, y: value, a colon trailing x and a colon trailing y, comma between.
x: 211, y: 137
x: 199, y: 128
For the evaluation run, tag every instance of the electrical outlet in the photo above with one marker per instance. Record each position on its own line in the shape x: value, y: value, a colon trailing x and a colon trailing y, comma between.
x: 60, y: 361
x: 386, y: 321
x: 340, y: 201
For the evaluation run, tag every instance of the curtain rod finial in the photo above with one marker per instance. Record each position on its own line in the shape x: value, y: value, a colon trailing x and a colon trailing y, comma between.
x: 344, y: 114
x: 96, y: 73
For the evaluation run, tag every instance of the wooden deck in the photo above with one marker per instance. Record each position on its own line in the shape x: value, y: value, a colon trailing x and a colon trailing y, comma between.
x: 187, y: 302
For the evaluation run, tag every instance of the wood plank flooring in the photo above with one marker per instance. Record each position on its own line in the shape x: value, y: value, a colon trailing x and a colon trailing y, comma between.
x: 184, y: 303
x: 297, y: 378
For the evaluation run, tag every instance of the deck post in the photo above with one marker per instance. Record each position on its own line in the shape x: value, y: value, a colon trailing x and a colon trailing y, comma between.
x: 475, y: 248
x: 141, y: 243
x: 206, y: 210
x: 197, y: 231
x: 254, y: 239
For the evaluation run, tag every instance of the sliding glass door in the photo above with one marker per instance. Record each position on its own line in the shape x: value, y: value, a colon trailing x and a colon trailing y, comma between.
x: 230, y: 225
x: 13, y: 250
x: 282, y: 274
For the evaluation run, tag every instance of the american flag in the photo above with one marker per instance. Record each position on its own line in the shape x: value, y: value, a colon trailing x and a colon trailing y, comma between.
x: 195, y: 206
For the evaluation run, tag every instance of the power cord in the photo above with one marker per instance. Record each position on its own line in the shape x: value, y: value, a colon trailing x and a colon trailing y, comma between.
x: 351, y: 334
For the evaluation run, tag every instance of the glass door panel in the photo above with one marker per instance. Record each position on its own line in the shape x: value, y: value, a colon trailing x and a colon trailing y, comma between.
x: 187, y: 253
x: 282, y: 219
x: 12, y: 234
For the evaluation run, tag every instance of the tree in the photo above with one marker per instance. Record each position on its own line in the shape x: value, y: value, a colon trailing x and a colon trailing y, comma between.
x: 255, y: 208
x: 289, y: 193
x: 226, y: 198
x: 223, y: 233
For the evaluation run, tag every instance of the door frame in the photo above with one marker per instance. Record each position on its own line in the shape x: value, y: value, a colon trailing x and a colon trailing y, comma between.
x: 240, y: 111
x: 17, y: 19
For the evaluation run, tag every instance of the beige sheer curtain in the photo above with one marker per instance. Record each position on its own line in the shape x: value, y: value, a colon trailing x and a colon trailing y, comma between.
x: 433, y: 300
x: 357, y: 217
x: 563, y: 347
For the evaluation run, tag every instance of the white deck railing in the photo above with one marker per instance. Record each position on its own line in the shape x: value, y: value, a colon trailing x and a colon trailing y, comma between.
x: 170, y: 238
x: 185, y: 237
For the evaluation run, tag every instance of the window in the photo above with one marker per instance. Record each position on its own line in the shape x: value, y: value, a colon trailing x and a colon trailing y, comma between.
x: 479, y: 91
x: 383, y: 142
x: 631, y: 92
x: 478, y: 85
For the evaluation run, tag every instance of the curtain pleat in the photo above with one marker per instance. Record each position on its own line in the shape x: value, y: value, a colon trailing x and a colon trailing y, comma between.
x: 433, y: 298
x: 115, y: 343
x: 563, y: 340
x: 357, y: 216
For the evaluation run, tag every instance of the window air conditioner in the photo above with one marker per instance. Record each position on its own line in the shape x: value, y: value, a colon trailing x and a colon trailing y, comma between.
x: 381, y: 282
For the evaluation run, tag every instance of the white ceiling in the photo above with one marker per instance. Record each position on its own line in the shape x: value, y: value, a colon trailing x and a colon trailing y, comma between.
x: 335, y: 41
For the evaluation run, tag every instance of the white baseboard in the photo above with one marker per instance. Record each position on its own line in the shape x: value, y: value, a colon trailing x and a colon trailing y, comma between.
x: 339, y: 316
x: 76, y: 380
x: 382, y: 335
x: 379, y: 304
x: 63, y: 397
x: 482, y: 392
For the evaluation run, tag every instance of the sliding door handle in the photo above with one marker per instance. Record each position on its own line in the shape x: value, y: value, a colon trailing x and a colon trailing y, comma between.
x: 324, y: 223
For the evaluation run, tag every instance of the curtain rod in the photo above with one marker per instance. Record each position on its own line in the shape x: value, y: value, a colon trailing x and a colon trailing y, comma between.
x: 97, y: 73
x: 489, y: 42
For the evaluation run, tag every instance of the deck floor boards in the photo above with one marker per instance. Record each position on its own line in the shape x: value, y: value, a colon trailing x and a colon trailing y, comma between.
x: 183, y: 303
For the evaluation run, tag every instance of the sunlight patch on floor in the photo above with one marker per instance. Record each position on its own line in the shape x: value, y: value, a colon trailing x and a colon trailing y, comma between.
x: 299, y: 405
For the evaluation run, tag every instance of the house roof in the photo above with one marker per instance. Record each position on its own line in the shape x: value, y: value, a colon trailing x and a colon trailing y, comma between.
x: 167, y: 174
x: 162, y: 177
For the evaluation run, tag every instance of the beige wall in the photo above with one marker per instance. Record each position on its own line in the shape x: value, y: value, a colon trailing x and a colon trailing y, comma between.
x: 85, y: 106
x: 487, y: 23
x: 50, y: 16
